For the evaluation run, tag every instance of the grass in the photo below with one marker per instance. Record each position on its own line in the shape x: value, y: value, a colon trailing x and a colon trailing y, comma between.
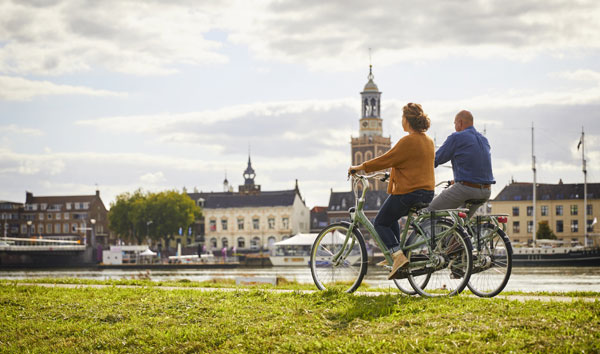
x: 148, y: 319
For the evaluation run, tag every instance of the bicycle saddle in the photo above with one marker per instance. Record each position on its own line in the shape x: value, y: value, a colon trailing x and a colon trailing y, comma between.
x: 475, y: 201
x: 419, y: 206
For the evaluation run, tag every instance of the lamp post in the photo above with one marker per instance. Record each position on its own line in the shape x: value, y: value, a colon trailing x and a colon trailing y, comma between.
x: 93, y: 239
x: 29, y: 228
x: 148, y: 230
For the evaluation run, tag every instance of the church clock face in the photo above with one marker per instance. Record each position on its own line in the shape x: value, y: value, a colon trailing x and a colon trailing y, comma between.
x: 365, y: 124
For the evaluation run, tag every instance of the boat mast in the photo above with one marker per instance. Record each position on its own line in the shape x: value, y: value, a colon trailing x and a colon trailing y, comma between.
x: 534, y: 184
x: 585, y: 238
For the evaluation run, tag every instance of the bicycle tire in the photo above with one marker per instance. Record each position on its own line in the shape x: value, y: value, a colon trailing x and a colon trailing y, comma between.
x: 453, y: 254
x: 344, y: 274
x: 492, y: 264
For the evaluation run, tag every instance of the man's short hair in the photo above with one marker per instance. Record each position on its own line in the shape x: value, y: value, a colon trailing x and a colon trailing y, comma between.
x: 466, y: 117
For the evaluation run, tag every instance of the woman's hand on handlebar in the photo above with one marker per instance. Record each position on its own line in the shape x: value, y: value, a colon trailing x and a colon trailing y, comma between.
x: 355, y: 169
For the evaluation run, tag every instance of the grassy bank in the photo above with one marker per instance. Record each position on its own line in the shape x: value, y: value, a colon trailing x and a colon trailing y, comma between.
x: 148, y: 319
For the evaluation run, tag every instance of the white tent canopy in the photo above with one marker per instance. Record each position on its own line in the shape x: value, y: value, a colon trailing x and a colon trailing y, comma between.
x: 148, y: 252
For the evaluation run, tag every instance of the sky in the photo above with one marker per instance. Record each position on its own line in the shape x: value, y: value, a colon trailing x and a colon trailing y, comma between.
x: 117, y: 95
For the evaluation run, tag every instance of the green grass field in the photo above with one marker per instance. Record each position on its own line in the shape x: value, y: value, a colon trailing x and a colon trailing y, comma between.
x: 151, y: 319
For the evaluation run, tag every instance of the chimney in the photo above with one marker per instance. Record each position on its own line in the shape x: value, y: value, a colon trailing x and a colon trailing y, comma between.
x: 28, y: 197
x: 97, y: 193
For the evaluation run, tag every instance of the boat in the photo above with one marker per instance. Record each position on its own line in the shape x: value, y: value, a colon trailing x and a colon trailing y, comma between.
x: 555, y: 253
x: 295, y: 251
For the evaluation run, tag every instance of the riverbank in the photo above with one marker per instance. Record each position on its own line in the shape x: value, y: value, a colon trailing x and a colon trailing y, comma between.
x: 155, y: 319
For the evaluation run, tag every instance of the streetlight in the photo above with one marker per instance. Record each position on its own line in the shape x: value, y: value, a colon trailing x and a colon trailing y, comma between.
x: 29, y: 228
x: 148, y: 231
x: 93, y: 240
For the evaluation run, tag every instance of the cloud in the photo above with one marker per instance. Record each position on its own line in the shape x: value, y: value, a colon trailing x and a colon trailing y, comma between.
x: 579, y: 75
x: 153, y: 178
x: 13, y: 129
x: 156, y: 38
x: 21, y: 89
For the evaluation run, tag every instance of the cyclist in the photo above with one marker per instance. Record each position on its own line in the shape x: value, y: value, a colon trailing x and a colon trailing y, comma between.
x: 412, y: 179
x: 469, y: 152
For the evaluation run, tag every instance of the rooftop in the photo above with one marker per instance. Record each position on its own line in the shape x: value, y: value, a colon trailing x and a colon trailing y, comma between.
x: 560, y: 191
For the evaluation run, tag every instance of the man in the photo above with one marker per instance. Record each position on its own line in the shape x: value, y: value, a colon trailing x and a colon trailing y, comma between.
x: 469, y: 152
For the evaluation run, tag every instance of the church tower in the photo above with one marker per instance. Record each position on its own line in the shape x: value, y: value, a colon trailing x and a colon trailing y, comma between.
x: 249, y: 187
x: 370, y: 142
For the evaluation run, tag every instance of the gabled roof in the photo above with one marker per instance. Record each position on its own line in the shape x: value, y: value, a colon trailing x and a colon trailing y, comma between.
x: 561, y: 191
x: 342, y: 201
x: 221, y: 200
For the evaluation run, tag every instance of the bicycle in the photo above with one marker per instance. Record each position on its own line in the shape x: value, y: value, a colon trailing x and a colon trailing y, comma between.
x: 440, y: 258
x: 492, y: 251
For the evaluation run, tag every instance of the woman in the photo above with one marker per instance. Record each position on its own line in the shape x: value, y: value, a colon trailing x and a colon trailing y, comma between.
x: 412, y: 179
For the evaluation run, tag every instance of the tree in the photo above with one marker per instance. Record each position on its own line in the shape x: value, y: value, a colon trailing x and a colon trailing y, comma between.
x: 544, y: 232
x: 130, y: 215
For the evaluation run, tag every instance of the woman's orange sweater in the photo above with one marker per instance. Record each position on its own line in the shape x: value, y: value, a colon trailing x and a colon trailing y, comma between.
x: 412, y: 164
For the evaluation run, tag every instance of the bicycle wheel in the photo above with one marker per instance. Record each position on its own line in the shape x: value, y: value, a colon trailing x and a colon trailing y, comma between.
x: 447, y: 264
x: 492, y: 261
x: 334, y: 267
x: 404, y: 285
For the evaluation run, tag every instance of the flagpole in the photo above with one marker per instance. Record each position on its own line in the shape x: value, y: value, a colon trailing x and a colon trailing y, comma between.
x: 534, y: 184
x: 585, y: 234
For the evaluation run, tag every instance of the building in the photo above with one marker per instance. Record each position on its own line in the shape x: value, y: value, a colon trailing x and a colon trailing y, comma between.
x: 10, y: 218
x: 370, y: 141
x: 560, y: 205
x: 65, y: 217
x: 318, y: 218
x: 251, y: 219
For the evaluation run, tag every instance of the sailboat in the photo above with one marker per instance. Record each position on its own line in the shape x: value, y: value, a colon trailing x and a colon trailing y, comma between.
x: 553, y: 252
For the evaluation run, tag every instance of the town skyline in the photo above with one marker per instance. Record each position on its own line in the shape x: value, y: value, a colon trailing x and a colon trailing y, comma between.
x: 167, y: 96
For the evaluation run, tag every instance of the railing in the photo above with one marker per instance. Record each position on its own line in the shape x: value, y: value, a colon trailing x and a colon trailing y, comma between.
x: 38, y: 244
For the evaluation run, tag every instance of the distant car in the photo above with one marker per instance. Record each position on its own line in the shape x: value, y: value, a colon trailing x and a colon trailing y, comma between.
x: 4, y: 244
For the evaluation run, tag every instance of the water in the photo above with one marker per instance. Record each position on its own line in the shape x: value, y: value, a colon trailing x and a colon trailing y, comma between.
x: 559, y: 279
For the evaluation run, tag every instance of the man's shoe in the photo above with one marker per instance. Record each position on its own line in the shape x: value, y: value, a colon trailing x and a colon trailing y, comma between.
x: 399, y: 261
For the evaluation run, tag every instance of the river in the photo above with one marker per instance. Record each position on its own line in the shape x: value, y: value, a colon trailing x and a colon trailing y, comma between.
x: 559, y: 279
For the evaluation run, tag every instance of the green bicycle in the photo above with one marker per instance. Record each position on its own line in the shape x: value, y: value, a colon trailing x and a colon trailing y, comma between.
x: 439, y: 252
x: 492, y: 250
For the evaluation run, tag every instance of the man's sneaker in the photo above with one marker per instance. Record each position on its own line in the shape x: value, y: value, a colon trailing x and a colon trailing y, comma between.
x: 399, y: 261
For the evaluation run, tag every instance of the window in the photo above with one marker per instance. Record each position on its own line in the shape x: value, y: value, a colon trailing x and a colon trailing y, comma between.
x: 573, y: 209
x: 213, y: 242
x: 590, y: 228
x: 73, y: 227
x: 255, y: 223
x: 224, y: 224
x: 589, y: 209
x: 66, y: 228
x: 213, y: 225
x: 271, y: 242
x: 240, y: 222
x: 68, y: 205
x: 57, y: 228
x: 41, y: 216
x: 559, y: 226
x: 516, y: 227
x: 271, y: 223
x: 574, y: 226
x: 516, y: 211
x: 66, y: 216
x: 48, y: 228
x: 58, y: 215
x: 529, y: 211
x: 86, y: 205
x: 40, y: 228
x: 530, y: 226
x: 559, y: 210
x: 285, y: 221
x: 43, y: 206
x: 224, y: 242
x: 49, y: 216
x: 255, y: 243
x: 241, y: 242
x: 544, y: 210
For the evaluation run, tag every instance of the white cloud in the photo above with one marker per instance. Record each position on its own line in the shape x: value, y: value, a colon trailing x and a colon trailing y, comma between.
x: 12, y: 129
x: 153, y: 178
x: 21, y: 89
x: 580, y: 75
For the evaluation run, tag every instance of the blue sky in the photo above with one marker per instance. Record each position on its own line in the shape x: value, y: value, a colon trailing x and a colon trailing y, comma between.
x: 164, y: 95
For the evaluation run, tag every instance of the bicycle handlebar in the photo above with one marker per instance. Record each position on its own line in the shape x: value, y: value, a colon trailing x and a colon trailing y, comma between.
x: 385, y: 175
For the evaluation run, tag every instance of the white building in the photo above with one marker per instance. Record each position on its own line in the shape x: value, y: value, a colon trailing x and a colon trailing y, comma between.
x: 251, y: 219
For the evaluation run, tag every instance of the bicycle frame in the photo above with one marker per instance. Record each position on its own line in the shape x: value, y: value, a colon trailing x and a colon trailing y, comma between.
x: 359, y: 218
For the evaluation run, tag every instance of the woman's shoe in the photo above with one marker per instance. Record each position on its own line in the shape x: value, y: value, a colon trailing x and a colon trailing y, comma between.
x: 400, y: 261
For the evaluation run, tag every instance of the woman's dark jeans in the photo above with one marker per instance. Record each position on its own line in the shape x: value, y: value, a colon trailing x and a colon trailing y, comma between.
x: 395, y: 207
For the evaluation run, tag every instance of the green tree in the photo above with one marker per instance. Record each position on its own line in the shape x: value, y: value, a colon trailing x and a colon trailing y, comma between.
x: 155, y: 215
x: 544, y: 232
x: 121, y: 216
